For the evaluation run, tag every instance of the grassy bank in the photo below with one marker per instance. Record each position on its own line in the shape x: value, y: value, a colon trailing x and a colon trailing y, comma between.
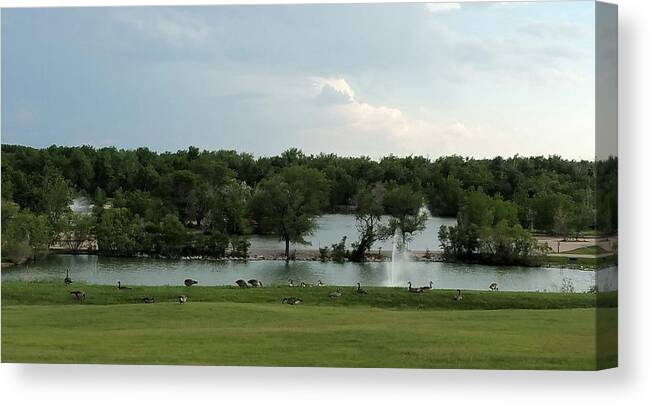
x: 43, y: 293
x: 388, y: 327
x: 586, y: 262
x: 593, y: 249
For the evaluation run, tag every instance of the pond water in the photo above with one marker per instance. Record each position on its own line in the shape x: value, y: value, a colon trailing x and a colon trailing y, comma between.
x: 147, y: 271
x: 331, y: 228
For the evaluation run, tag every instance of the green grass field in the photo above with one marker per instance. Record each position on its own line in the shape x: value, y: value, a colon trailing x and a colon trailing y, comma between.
x: 586, y: 262
x: 388, y: 327
x: 593, y: 249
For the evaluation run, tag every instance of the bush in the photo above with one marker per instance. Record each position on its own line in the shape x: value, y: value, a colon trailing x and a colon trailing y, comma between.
x: 324, y: 254
x: 18, y: 252
x: 24, y: 234
x: 210, y: 245
x: 500, y: 244
x: 240, y: 247
x: 339, y: 252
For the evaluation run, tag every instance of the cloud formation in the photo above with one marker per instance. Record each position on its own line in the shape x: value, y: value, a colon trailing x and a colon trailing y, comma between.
x: 364, y: 128
x: 171, y: 26
x: 558, y: 29
x: 442, y: 7
x: 469, y: 79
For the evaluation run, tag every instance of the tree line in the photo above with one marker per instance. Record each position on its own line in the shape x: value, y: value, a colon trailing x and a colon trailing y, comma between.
x: 199, y: 202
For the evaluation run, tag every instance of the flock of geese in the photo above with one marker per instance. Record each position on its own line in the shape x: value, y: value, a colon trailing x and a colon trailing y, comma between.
x: 80, y: 295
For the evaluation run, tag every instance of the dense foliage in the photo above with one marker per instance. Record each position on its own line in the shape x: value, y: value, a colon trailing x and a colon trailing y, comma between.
x: 487, y: 230
x: 205, y: 202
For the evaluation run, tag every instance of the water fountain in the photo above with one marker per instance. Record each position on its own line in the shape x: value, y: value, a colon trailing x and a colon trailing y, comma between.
x: 399, y: 259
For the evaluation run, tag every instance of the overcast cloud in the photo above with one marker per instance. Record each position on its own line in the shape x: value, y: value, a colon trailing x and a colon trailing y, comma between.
x: 424, y: 79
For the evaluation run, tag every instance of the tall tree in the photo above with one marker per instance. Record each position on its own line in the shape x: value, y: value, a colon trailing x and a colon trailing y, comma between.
x: 24, y: 234
x: 173, y: 236
x: 55, y: 197
x: 404, y: 205
x: 79, y: 230
x: 117, y: 232
x: 288, y: 203
x: 368, y: 221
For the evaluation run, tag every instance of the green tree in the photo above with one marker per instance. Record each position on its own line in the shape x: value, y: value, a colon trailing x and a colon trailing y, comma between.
x: 504, y: 244
x: 404, y: 205
x: 562, y: 222
x: 117, y: 232
x: 584, y: 218
x: 288, y: 203
x: 80, y: 230
x: 55, y: 203
x: 228, y: 212
x: 487, y: 230
x: 240, y: 247
x: 445, y: 196
x: 368, y: 221
x: 339, y: 252
x: 24, y: 234
x: 173, y: 236
x: 78, y: 168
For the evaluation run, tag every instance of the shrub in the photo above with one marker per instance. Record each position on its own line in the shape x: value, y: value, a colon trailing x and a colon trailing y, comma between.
x: 240, y: 247
x: 339, y: 252
x: 324, y: 254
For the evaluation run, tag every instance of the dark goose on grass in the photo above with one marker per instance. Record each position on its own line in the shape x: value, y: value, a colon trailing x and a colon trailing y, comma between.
x: 146, y: 271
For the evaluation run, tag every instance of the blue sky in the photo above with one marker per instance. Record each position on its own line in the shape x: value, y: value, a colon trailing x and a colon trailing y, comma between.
x: 428, y: 79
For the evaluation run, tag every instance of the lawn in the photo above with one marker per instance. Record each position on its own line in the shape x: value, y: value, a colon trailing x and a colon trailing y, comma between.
x: 388, y: 327
x: 586, y: 262
x: 593, y: 249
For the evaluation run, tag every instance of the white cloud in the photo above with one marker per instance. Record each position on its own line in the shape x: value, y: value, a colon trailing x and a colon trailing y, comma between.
x: 441, y: 7
x: 560, y: 29
x: 333, y: 90
x: 333, y: 84
x: 350, y: 126
x: 356, y: 127
x: 175, y: 28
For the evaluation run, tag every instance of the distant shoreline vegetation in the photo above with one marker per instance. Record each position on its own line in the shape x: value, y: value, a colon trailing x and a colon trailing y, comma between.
x: 206, y: 203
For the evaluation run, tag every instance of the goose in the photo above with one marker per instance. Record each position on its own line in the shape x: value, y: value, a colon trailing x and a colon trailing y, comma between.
x: 458, y: 297
x: 183, y: 299
x: 359, y: 289
x: 306, y: 285
x: 189, y: 282
x: 335, y: 294
x: 292, y: 300
x: 291, y: 283
x: 320, y: 284
x: 120, y: 287
x: 414, y: 290
x: 67, y: 279
x: 425, y: 288
x: 255, y: 283
x: 148, y: 300
x: 78, y: 295
x: 493, y: 287
x: 242, y: 283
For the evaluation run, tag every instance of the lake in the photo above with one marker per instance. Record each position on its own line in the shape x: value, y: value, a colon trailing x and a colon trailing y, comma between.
x: 331, y: 228
x: 149, y: 271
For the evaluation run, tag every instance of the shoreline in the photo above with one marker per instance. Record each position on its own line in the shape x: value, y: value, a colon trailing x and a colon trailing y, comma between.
x: 375, y: 256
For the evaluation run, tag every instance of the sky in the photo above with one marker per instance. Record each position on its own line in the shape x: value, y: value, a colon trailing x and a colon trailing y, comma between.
x: 476, y: 80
